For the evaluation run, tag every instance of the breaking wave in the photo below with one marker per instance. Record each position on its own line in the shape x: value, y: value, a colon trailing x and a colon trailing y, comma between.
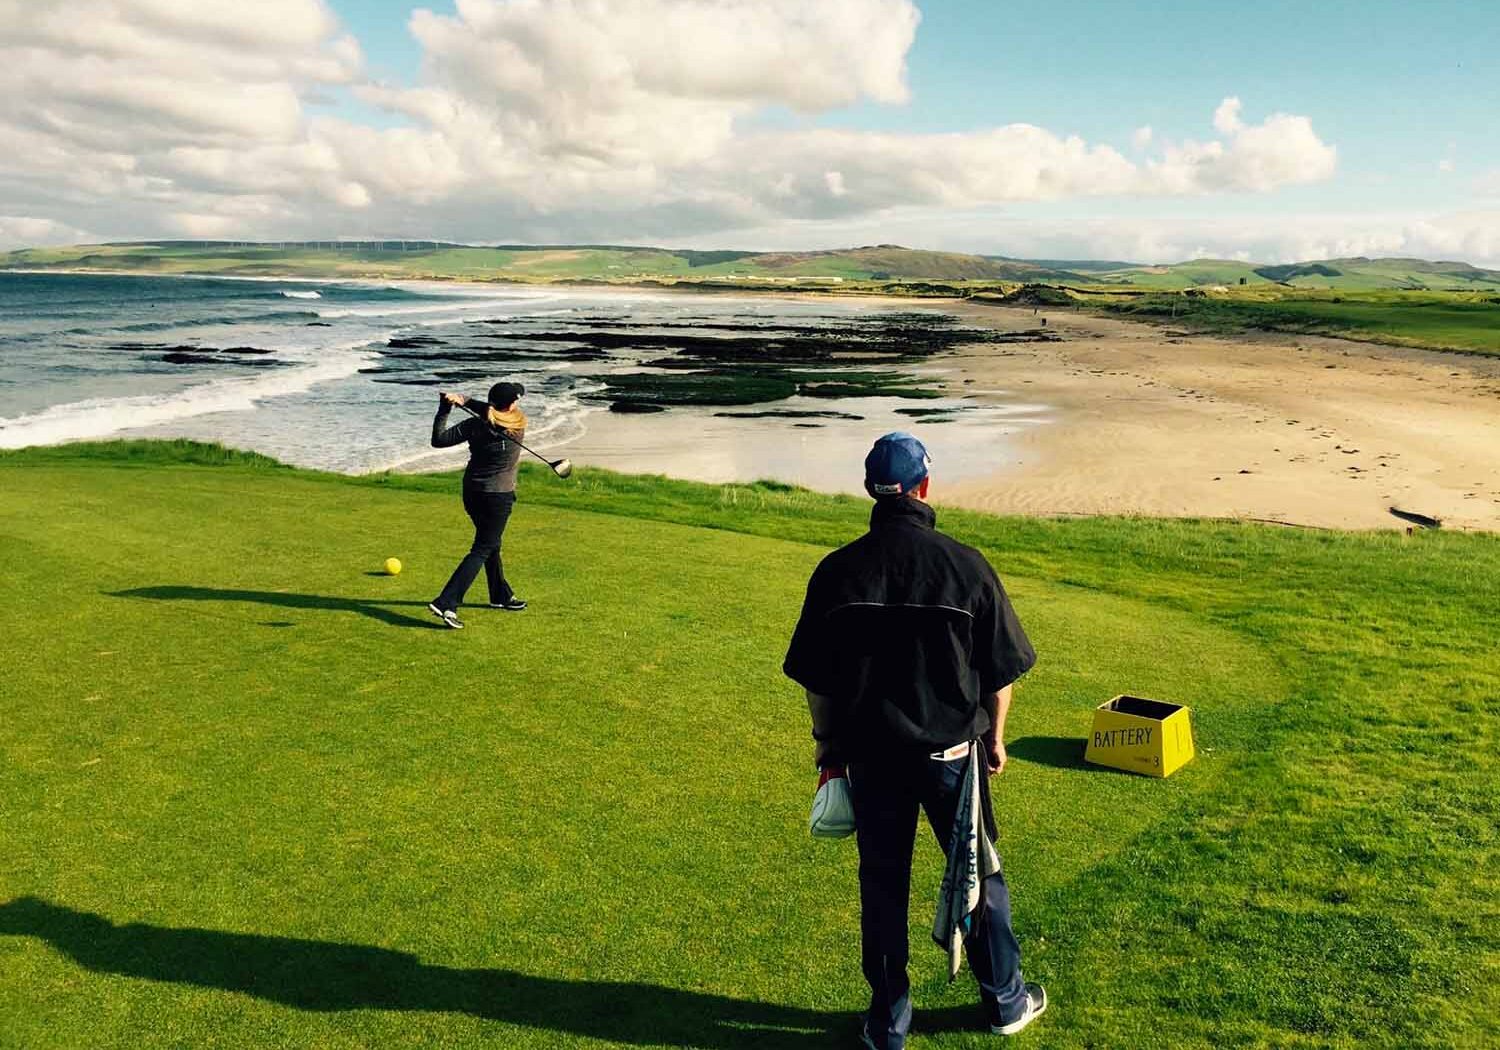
x: 204, y: 322
x: 104, y: 417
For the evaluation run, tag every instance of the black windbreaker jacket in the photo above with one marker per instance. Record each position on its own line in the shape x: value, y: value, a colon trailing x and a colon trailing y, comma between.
x: 494, y: 455
x: 906, y: 630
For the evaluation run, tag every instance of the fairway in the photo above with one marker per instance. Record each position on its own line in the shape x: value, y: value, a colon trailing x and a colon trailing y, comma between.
x: 252, y: 794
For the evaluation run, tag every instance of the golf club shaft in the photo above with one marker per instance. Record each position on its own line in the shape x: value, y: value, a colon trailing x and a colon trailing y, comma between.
x: 538, y: 455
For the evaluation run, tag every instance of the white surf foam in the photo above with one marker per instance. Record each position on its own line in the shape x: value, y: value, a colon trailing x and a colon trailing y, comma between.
x: 458, y: 309
x: 428, y: 461
x: 104, y: 417
x: 301, y: 295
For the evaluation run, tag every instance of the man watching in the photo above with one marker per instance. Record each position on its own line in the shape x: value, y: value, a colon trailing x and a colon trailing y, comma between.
x: 907, y: 646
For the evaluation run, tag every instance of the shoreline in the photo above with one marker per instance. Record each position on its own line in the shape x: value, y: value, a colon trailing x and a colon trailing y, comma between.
x: 1139, y: 419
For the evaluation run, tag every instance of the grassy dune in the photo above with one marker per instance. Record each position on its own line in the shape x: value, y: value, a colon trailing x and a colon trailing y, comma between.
x: 251, y: 796
x: 1453, y: 321
x: 1360, y: 274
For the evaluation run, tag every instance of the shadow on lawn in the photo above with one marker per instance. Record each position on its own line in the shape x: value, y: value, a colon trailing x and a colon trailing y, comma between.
x: 377, y: 610
x: 1065, y: 752
x: 321, y: 975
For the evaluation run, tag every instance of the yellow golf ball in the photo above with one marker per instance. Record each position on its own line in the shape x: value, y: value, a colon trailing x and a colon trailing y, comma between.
x: 393, y: 566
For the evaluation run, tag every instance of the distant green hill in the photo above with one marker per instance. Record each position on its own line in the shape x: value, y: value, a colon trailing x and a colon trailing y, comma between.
x: 911, y: 269
x: 1078, y: 265
x: 614, y: 263
x: 1355, y: 274
x: 1197, y: 273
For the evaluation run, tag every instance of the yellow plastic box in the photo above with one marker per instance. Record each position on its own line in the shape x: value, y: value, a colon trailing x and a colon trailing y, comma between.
x: 1138, y: 735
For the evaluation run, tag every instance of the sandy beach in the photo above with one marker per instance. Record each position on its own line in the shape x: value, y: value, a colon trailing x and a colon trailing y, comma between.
x: 1308, y: 431
x: 1121, y: 417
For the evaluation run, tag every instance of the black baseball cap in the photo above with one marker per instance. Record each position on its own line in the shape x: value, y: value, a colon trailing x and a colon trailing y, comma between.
x: 503, y: 395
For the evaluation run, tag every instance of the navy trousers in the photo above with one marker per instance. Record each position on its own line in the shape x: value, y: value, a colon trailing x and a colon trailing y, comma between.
x: 489, y: 511
x: 887, y: 794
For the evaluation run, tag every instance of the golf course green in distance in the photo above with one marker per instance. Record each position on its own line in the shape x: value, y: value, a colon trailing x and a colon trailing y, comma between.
x: 252, y: 795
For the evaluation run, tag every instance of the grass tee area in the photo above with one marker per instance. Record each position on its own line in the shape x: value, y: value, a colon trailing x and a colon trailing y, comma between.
x: 250, y: 794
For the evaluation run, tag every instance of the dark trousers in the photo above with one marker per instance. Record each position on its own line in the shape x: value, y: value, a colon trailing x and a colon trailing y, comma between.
x: 489, y: 512
x: 887, y: 795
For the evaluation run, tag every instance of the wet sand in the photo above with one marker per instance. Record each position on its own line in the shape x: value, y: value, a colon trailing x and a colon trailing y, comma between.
x: 700, y: 444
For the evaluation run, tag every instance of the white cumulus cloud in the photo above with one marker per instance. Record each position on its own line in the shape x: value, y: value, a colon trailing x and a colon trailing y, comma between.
x: 1282, y: 150
x: 534, y: 120
x: 130, y: 113
x: 22, y: 231
x: 1227, y: 117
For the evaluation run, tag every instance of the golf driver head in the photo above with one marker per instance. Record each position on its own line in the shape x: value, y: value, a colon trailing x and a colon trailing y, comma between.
x: 562, y: 468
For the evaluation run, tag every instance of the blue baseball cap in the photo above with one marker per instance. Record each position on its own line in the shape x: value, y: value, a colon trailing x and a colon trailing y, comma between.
x: 896, y: 465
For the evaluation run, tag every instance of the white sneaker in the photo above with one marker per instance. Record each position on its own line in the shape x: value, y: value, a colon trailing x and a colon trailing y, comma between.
x: 1036, y: 1005
x: 448, y: 616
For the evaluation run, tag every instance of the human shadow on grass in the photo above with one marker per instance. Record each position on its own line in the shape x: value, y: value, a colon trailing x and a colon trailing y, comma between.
x: 375, y: 609
x: 1064, y: 752
x: 326, y: 976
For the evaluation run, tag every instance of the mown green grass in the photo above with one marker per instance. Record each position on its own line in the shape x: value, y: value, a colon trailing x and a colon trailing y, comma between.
x: 250, y: 797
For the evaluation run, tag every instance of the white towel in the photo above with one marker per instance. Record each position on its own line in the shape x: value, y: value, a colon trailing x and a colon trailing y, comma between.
x: 971, y: 859
x: 833, y: 806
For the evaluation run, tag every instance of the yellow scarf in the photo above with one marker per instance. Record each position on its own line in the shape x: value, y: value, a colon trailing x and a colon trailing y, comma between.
x: 512, y: 419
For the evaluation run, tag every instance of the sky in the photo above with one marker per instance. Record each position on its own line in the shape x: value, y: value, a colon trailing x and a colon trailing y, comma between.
x: 1122, y: 129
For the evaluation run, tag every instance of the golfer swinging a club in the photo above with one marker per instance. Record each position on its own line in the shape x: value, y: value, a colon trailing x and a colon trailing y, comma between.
x: 494, y: 434
x: 907, y: 646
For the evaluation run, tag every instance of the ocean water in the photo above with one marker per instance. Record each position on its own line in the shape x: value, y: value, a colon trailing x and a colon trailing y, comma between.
x: 344, y: 375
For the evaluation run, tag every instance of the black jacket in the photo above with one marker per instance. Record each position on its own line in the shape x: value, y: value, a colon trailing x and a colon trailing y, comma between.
x: 906, y: 630
x: 494, y: 455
